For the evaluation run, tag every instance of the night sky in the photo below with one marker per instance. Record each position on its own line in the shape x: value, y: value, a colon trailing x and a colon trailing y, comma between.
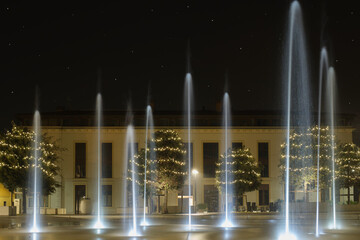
x: 140, y: 50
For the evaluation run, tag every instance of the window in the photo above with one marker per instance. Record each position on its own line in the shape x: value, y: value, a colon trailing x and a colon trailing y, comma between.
x: 44, y: 201
x: 80, y: 160
x: 187, y: 156
x: 107, y: 196
x: 237, y: 145
x: 264, y: 194
x: 263, y: 157
x: 30, y: 202
x: 210, y: 156
x: 106, y: 164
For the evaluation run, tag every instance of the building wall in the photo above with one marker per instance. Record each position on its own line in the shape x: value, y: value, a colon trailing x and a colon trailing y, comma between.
x: 250, y: 137
x: 5, y: 196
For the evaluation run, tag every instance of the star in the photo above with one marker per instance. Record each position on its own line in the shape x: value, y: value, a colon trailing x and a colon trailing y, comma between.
x: 152, y: 10
x: 162, y: 66
x: 249, y: 90
x: 240, y: 48
x: 115, y: 79
x: 336, y: 60
x: 12, y: 92
x: 212, y: 20
x: 67, y: 68
x: 353, y: 40
x: 132, y: 51
x: 8, y: 8
x: 187, y: 6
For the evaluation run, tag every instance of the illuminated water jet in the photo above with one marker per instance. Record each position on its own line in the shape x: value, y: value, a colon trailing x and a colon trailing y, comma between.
x: 188, y: 108
x: 99, y: 223
x: 149, y: 127
x: 227, y: 139
x: 36, y: 182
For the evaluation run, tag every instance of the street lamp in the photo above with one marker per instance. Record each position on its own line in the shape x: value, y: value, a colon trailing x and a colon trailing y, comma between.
x: 195, y: 172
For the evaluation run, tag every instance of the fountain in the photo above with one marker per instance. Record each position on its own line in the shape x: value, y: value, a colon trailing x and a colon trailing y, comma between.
x: 227, y: 139
x: 36, y: 182
x: 99, y: 223
x: 131, y: 152
x: 297, y: 100
x: 331, y: 95
x: 323, y: 69
x: 149, y: 127
x: 188, y: 108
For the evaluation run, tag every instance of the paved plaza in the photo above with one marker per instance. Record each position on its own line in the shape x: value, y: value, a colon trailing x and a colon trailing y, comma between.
x: 252, y: 226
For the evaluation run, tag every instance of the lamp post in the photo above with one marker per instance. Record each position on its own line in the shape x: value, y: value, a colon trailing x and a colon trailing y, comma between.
x: 195, y: 173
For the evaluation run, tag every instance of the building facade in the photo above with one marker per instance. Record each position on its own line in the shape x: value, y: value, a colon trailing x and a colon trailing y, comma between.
x: 261, y: 133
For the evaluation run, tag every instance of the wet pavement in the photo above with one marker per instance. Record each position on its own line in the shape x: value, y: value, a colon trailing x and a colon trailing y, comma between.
x: 172, y: 227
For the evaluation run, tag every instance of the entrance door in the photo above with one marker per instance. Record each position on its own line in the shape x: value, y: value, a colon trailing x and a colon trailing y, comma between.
x: 80, y: 192
x: 211, y: 198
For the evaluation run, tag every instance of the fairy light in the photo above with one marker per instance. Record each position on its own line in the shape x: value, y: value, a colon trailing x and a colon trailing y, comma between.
x: 10, y: 152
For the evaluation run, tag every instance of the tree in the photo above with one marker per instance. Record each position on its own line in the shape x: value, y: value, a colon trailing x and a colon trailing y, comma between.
x: 17, y: 161
x: 165, y: 167
x: 348, y: 166
x: 243, y: 172
x: 303, y: 158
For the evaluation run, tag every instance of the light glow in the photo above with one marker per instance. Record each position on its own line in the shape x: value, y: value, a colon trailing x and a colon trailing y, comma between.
x: 227, y: 224
x: 287, y: 236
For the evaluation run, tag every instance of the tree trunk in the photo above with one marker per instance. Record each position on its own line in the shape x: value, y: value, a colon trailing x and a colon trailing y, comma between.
x: 306, y: 193
x: 348, y: 195
x: 166, y: 201
x: 24, y: 200
x: 12, y: 199
x: 158, y: 204
x: 237, y: 203
x: 182, y: 201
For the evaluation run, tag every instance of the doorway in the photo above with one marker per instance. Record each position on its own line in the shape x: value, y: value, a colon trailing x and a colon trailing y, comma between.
x: 80, y: 192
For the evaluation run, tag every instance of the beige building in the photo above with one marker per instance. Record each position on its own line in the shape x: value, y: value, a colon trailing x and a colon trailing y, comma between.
x: 261, y: 132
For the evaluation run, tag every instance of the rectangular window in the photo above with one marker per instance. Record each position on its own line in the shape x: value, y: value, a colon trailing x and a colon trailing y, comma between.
x: 107, y: 196
x: 44, y: 201
x: 210, y: 157
x: 30, y: 202
x: 80, y: 160
x: 264, y: 194
x: 187, y: 156
x: 106, y: 164
x: 237, y: 145
x: 263, y: 156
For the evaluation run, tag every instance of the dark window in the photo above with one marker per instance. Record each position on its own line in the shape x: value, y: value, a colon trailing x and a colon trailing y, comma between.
x: 211, y: 155
x: 263, y: 151
x: 237, y: 145
x: 30, y: 202
x: 107, y: 195
x: 187, y: 156
x: 80, y: 160
x: 264, y: 194
x: 44, y: 201
x: 106, y: 160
